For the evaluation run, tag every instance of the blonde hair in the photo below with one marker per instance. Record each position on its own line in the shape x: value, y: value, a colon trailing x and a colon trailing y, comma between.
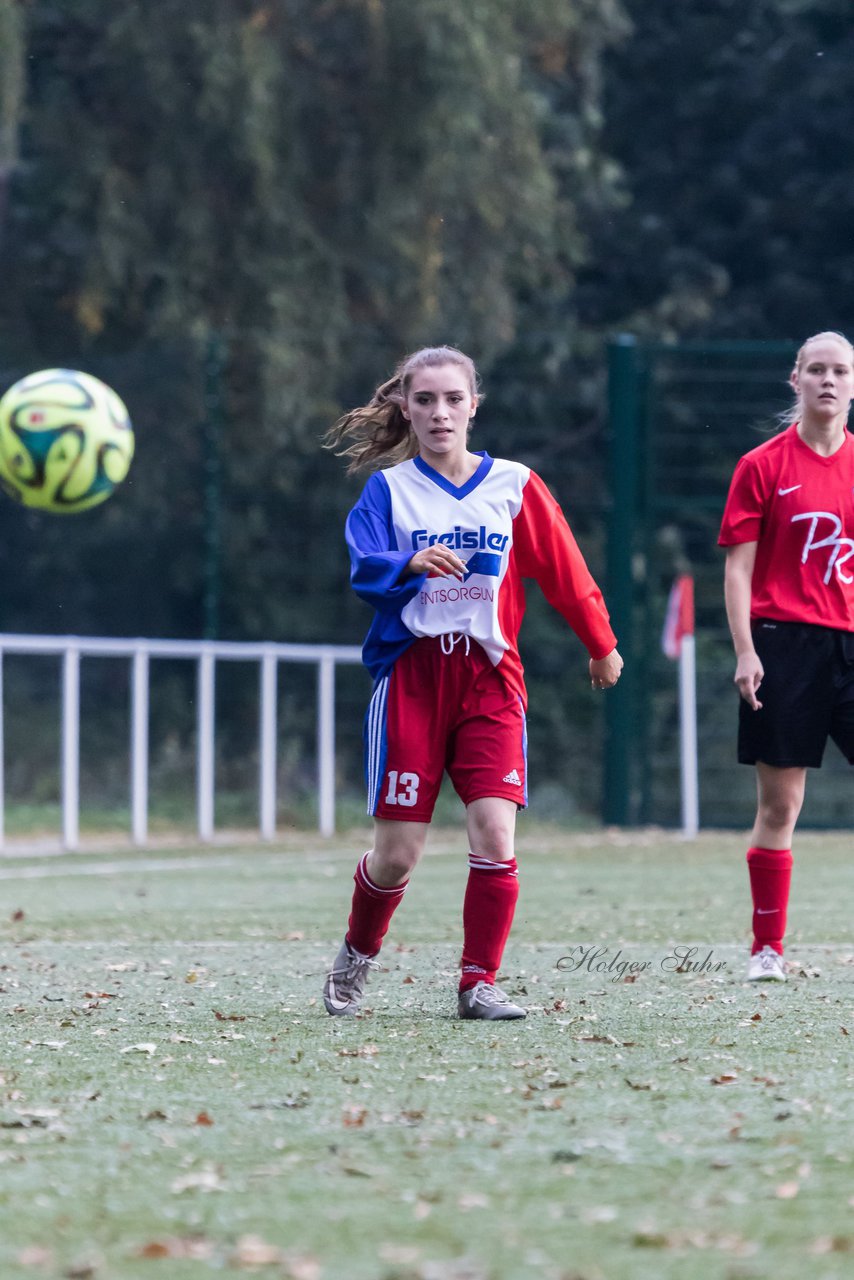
x: 792, y: 415
x: 378, y: 431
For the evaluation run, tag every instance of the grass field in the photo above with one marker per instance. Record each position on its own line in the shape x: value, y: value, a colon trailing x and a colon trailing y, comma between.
x: 176, y: 1103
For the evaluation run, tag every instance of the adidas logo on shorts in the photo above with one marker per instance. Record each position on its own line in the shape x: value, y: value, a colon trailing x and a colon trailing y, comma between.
x: 513, y: 778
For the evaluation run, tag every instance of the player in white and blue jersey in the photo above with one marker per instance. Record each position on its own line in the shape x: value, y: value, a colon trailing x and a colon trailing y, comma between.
x: 439, y: 543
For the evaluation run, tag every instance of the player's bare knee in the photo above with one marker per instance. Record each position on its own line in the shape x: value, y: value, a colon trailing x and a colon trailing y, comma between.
x: 491, y: 839
x: 780, y: 812
x: 390, y: 865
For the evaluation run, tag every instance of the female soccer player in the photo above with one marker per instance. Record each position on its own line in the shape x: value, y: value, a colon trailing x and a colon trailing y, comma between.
x: 788, y: 528
x: 439, y: 543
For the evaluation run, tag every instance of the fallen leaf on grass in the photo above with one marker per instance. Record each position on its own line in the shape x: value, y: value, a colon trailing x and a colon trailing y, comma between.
x: 363, y: 1051
x: 291, y: 1103
x: 403, y: 1254
x: 252, y: 1251
x: 411, y: 1116
x: 35, y: 1255
x: 139, y: 1048
x: 301, y: 1266
x: 101, y: 995
x: 201, y: 1180
x: 229, y: 1017
x: 654, y: 1238
x: 599, y: 1213
x: 354, y: 1116
x: 642, y: 1086
x: 195, y: 1248
x: 472, y: 1200
x: 32, y: 1118
x: 203, y: 1118
x: 832, y: 1244
x: 17, y: 914
x: 728, y: 1077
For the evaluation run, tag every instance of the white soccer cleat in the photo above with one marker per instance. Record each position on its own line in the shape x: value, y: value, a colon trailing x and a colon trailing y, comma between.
x: 766, y: 966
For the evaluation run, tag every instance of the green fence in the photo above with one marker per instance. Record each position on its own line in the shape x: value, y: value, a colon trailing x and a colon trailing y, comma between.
x: 680, y: 418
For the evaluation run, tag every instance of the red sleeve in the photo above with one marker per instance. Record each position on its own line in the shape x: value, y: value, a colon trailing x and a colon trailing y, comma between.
x: 744, y: 513
x: 546, y: 551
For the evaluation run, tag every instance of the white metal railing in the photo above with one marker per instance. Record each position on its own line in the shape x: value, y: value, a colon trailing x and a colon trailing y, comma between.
x: 206, y: 653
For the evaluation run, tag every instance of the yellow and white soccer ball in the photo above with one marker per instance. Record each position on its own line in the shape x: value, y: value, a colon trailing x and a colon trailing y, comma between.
x: 66, y: 441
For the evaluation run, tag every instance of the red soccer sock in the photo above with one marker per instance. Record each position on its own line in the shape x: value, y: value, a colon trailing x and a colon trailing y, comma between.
x: 488, y: 909
x: 371, y: 911
x: 770, y: 877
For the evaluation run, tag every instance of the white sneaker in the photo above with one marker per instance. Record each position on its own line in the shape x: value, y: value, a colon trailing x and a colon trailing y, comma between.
x: 766, y: 966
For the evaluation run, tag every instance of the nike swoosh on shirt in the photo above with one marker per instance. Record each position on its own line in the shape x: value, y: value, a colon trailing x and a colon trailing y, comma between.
x: 791, y: 489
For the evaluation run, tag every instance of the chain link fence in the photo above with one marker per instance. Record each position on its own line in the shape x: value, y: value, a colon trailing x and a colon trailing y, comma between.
x: 681, y: 417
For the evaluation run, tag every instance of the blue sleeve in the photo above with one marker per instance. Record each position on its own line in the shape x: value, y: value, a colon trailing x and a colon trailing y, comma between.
x: 376, y: 565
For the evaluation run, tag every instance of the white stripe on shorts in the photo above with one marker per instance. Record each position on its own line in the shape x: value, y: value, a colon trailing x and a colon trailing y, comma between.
x: 375, y: 740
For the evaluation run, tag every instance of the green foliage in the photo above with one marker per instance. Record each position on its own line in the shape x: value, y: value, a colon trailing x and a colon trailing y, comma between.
x: 729, y: 122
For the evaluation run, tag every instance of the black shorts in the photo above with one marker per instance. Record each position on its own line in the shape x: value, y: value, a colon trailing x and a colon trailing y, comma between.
x: 807, y: 695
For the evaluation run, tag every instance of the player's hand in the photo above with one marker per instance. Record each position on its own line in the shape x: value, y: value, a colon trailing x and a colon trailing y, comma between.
x: 438, y: 561
x: 748, y: 677
x: 605, y: 672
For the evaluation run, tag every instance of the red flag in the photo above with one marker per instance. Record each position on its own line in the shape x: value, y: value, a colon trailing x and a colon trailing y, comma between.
x: 679, y: 619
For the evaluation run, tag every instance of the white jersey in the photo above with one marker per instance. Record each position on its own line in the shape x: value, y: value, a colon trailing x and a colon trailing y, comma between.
x: 505, y: 525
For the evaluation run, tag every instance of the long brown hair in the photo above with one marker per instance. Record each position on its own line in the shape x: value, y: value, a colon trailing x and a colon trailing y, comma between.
x: 378, y: 432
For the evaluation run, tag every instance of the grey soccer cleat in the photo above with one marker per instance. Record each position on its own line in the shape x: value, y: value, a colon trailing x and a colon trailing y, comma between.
x: 345, y: 981
x: 488, y: 1002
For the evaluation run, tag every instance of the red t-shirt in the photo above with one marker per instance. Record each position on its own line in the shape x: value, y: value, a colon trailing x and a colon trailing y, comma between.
x: 799, y: 508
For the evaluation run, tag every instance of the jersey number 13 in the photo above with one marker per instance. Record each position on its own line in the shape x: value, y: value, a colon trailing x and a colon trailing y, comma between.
x: 402, y: 788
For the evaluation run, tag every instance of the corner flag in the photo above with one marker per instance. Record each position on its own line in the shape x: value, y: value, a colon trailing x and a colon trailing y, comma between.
x: 679, y: 619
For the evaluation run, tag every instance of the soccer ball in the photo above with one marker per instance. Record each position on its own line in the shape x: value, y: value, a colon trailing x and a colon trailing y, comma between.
x: 66, y: 441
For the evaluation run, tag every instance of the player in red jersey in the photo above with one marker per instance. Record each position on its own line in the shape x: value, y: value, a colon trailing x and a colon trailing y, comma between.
x: 439, y: 544
x: 788, y: 528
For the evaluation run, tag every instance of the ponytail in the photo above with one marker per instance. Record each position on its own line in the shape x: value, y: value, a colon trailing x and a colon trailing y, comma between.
x: 378, y: 431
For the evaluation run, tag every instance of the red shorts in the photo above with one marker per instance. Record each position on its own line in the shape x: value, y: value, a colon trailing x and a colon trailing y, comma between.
x: 442, y: 710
